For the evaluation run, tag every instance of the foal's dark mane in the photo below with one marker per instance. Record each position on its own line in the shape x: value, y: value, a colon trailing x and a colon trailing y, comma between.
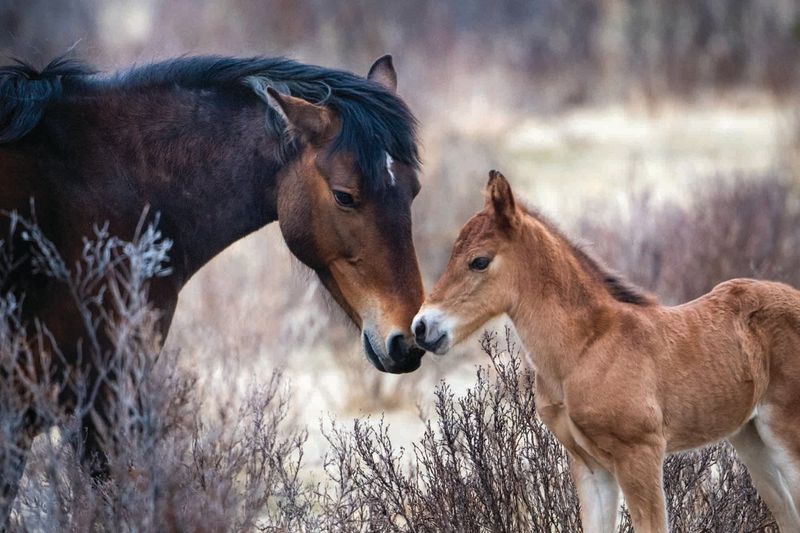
x: 374, y: 120
x: 620, y: 288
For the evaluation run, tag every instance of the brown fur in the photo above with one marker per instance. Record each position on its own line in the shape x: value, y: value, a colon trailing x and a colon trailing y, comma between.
x: 215, y: 163
x: 621, y: 380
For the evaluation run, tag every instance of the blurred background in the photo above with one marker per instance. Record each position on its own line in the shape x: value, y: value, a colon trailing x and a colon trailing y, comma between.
x: 663, y: 133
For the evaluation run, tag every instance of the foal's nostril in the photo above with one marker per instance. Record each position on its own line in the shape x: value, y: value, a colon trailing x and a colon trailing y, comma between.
x: 419, y: 329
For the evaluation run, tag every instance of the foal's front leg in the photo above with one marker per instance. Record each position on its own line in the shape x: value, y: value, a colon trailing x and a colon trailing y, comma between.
x: 639, y: 470
x: 598, y: 493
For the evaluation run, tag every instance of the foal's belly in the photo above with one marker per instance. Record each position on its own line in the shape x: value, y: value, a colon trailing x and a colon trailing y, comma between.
x: 709, y: 414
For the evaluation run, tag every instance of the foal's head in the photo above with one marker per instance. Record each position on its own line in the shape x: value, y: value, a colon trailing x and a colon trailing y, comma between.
x: 479, y: 281
x: 352, y: 224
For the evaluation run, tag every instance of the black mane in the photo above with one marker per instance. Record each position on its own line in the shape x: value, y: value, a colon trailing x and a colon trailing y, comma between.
x: 26, y: 91
x: 374, y: 120
x: 617, y: 286
x: 620, y: 288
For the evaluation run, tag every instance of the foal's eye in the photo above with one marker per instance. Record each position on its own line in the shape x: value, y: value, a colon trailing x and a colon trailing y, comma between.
x: 344, y: 199
x: 480, y: 264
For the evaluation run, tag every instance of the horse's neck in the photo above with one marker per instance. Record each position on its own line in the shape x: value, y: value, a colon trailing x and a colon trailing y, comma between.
x: 204, y: 162
x: 558, y: 310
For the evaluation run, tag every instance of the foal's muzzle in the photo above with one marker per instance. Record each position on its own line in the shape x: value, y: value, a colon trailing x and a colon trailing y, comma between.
x: 398, y: 356
x: 431, y: 331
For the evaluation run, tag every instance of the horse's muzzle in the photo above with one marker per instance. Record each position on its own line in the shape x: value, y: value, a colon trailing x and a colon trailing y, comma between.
x: 403, y: 356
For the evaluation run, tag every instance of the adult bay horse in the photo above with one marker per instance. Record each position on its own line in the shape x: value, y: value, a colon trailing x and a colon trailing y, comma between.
x: 218, y: 147
x: 621, y: 380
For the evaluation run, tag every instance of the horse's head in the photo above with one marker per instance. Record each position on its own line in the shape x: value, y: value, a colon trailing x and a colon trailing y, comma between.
x: 352, y: 224
x: 478, y: 283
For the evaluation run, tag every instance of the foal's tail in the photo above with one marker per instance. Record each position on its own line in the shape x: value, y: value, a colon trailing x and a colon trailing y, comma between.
x: 26, y: 91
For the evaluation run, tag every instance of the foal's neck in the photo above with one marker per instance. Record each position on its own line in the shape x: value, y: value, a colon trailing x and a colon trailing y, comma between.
x: 560, y: 309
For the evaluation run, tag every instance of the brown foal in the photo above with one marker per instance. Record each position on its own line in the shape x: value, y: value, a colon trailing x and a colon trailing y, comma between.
x: 621, y: 380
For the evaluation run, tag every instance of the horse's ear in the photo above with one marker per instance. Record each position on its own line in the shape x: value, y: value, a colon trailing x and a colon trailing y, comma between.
x: 382, y: 71
x: 310, y: 120
x: 498, y: 193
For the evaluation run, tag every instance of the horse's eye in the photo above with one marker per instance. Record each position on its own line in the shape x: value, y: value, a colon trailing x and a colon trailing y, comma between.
x: 344, y: 199
x: 480, y: 264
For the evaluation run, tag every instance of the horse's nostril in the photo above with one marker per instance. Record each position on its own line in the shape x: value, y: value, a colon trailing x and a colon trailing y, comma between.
x: 419, y: 329
x: 397, y: 346
x: 405, y: 357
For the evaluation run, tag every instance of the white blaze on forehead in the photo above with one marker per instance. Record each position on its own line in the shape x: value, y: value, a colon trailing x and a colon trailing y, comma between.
x: 389, y: 163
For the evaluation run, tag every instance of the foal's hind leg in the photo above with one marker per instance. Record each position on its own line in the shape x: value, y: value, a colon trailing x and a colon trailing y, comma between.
x: 779, y: 428
x: 598, y: 493
x: 764, y: 467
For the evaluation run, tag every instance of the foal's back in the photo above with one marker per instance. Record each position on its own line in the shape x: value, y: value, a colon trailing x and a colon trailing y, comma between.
x: 722, y: 357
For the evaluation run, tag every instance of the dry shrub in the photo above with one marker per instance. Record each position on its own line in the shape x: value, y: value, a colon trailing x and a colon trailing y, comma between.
x: 710, y: 490
x: 170, y: 467
x: 484, y: 463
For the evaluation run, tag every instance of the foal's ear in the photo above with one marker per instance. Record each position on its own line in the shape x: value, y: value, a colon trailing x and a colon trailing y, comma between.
x: 311, y: 121
x: 498, y: 192
x: 382, y: 71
